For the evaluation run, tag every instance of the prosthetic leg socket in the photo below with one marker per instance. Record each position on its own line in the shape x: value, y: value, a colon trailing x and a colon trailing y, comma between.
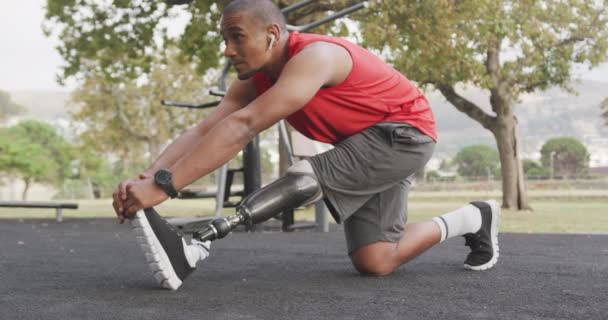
x: 290, y: 191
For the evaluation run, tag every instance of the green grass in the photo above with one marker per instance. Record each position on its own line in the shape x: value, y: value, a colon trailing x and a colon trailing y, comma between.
x: 573, y: 216
x: 547, y: 216
x: 102, y: 208
x: 555, y: 215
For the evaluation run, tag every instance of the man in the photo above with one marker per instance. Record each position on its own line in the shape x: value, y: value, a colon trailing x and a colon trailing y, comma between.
x: 332, y: 91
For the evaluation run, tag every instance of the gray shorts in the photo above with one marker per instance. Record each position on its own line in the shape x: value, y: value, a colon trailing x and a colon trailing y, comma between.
x: 366, y: 179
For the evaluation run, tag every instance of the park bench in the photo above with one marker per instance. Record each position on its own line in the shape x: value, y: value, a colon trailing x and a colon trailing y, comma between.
x: 55, y: 205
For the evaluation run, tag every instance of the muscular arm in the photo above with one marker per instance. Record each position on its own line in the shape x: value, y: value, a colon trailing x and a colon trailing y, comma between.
x: 239, y: 95
x: 312, y: 68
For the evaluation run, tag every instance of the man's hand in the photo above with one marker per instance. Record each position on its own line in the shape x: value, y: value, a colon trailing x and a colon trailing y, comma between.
x: 120, y: 196
x: 141, y: 194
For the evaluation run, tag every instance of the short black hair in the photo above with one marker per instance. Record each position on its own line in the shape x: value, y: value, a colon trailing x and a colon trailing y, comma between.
x: 265, y: 12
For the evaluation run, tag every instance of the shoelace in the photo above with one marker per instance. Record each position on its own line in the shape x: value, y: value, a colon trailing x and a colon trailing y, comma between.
x: 473, y: 241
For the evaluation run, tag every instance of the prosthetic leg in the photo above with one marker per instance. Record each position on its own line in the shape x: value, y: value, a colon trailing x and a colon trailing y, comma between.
x: 298, y: 187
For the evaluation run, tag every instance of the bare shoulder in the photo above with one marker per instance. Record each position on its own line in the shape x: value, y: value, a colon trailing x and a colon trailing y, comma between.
x: 329, y: 57
x: 326, y: 51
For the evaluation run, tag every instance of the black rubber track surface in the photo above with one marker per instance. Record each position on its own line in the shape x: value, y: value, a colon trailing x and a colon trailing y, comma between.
x: 92, y: 269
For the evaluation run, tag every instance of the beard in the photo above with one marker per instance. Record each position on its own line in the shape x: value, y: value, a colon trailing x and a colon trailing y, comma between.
x: 247, y: 74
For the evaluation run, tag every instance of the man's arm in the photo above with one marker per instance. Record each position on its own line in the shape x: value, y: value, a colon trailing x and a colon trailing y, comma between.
x: 312, y: 68
x: 239, y: 95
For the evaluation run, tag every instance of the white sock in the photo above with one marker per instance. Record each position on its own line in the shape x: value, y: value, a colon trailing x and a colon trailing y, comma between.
x: 459, y: 222
x: 197, y: 250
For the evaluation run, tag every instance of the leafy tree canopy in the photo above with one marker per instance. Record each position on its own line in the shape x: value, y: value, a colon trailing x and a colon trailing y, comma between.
x: 8, y: 107
x: 477, y: 161
x: 21, y: 157
x: 128, y: 119
x: 533, y: 169
x: 120, y: 39
x: 115, y: 38
x: 448, y: 42
x: 565, y: 156
x: 47, y: 154
x: 35, y: 152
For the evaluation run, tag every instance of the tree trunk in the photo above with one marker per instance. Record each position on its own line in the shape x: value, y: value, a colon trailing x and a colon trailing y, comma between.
x: 90, y: 186
x: 11, y: 183
x: 522, y: 194
x: 503, y: 126
x: 27, y: 182
x: 513, y: 187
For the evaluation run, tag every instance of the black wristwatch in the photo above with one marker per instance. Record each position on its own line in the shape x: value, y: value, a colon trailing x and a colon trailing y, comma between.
x: 163, y: 179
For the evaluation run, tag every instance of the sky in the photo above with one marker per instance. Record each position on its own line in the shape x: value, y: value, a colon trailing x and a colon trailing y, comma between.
x: 29, y: 60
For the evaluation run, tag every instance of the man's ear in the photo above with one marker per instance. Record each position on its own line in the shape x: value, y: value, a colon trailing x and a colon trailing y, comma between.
x: 272, y: 40
x: 274, y: 34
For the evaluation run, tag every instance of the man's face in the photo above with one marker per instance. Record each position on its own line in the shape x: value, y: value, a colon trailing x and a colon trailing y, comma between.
x: 246, y: 43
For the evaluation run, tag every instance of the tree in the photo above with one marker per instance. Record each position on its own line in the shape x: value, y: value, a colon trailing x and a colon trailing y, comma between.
x: 505, y: 47
x: 534, y: 169
x: 565, y: 157
x: 128, y: 119
x: 8, y: 108
x: 9, y: 155
x: 92, y: 173
x: 56, y: 149
x: 477, y: 161
x: 604, y: 108
x: 35, y: 152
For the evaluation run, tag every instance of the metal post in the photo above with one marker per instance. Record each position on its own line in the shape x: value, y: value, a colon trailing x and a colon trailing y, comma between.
x: 252, y: 173
x: 59, y: 214
x: 221, y: 190
x: 321, y: 216
x: 551, y: 163
x: 284, y: 138
x: 335, y: 16
x: 296, y: 6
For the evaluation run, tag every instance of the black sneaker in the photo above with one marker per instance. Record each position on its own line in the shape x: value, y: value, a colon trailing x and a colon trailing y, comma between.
x: 484, y: 243
x: 169, y: 257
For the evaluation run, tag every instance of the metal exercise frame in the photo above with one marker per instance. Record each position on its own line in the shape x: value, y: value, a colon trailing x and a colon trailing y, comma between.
x: 251, y: 153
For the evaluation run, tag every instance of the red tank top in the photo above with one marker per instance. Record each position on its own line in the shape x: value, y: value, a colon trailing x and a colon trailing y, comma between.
x: 372, y: 92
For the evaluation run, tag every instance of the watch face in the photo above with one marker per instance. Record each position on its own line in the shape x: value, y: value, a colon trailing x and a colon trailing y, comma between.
x: 163, y: 179
x: 163, y: 176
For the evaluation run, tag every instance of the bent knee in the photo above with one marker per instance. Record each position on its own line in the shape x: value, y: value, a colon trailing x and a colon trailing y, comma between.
x: 374, y: 261
x: 374, y: 270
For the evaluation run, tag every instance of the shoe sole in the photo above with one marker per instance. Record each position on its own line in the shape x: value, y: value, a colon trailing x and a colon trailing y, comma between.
x: 156, y: 257
x: 494, y: 238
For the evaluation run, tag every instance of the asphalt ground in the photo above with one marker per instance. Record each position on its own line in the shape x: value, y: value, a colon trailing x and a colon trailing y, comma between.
x: 93, y: 269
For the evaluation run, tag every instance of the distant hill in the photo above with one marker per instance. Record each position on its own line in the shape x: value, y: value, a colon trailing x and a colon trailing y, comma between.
x: 541, y: 116
x: 43, y: 105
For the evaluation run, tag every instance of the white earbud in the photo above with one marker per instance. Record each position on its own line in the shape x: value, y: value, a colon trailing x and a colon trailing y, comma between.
x: 272, y: 40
